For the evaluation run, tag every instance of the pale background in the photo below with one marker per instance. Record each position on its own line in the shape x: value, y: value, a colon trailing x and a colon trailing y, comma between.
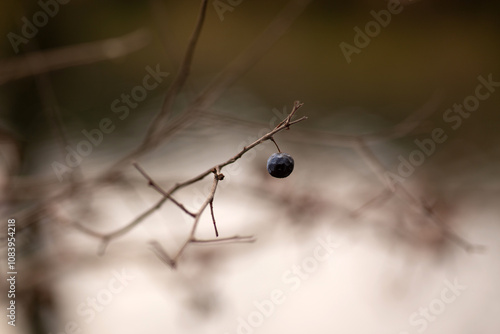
x: 375, y: 279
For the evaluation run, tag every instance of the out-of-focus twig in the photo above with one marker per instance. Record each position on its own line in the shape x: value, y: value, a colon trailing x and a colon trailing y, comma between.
x: 167, y: 195
x: 275, y: 30
x: 162, y: 117
x: 419, y: 206
x: 38, y: 62
x: 52, y: 110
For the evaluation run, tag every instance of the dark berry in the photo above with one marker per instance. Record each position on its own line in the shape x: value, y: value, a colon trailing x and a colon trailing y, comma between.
x: 280, y: 165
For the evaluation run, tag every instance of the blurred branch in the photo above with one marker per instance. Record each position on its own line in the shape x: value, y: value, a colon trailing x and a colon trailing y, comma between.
x: 165, y: 125
x: 162, y: 254
x: 53, y: 112
x: 222, y: 81
x: 410, y: 124
x: 153, y: 184
x: 360, y: 144
x: 39, y: 62
x: 161, y: 118
x: 236, y: 238
x: 415, y: 123
x: 159, y: 13
x: 381, y: 197
x: 419, y: 206
x: 167, y: 195
x: 274, y: 31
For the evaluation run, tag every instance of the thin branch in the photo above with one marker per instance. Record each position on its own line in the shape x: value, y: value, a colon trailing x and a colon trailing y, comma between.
x: 162, y: 117
x: 414, y: 203
x: 75, y: 55
x: 213, y: 217
x: 167, y: 194
x: 209, y: 199
x: 123, y: 230
x: 236, y: 238
x: 286, y: 121
x: 275, y: 30
x: 282, y: 126
x: 160, y: 15
x: 163, y: 125
x: 383, y: 196
x: 217, y: 177
x: 53, y: 113
x: 162, y: 254
x: 373, y: 162
x: 410, y: 124
x: 275, y: 144
x: 159, y: 189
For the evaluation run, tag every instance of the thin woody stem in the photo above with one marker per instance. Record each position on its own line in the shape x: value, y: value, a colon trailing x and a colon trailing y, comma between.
x: 276, y: 144
x: 106, y: 238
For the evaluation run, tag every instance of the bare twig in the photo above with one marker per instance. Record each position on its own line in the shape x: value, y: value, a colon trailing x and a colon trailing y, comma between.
x: 273, y: 32
x: 213, y: 217
x: 153, y: 184
x: 162, y: 254
x: 164, y: 125
x: 167, y: 194
x: 162, y: 117
x: 218, y: 86
x: 414, y: 203
x: 275, y: 143
x: 383, y: 196
x: 52, y: 111
x: 159, y: 13
x: 410, y: 124
x: 86, y: 53
x: 236, y: 238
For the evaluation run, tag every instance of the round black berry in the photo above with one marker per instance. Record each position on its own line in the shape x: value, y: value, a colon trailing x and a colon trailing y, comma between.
x: 280, y: 165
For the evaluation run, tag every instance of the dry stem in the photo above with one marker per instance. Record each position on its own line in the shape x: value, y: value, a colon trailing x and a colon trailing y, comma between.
x: 106, y: 238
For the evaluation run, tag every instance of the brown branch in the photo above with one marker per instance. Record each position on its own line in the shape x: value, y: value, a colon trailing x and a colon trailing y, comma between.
x: 275, y: 144
x: 285, y: 124
x: 275, y: 30
x: 213, y: 217
x: 209, y: 199
x: 75, y: 55
x: 235, y: 238
x: 159, y: 189
x: 159, y: 13
x: 162, y: 254
x: 373, y: 162
x: 53, y: 113
x: 163, y: 126
x: 414, y: 203
x: 383, y: 196
x: 167, y: 194
x: 89, y: 52
x: 161, y: 118
x: 410, y: 124
x: 414, y: 123
x: 123, y: 230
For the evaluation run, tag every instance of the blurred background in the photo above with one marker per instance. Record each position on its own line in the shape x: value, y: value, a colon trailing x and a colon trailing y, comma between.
x: 336, y: 248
